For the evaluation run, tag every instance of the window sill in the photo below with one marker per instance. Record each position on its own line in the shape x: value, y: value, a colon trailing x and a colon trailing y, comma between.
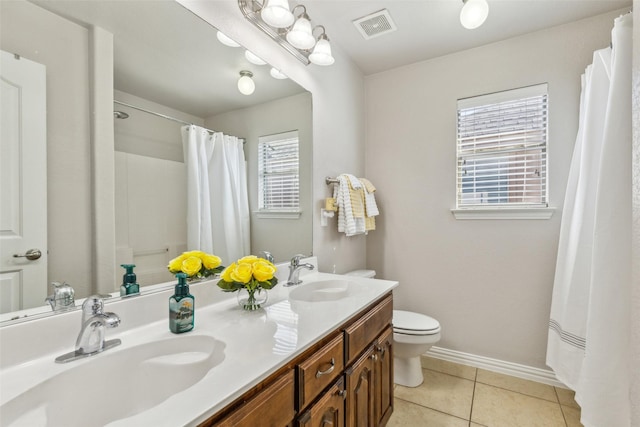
x: 278, y: 215
x: 503, y: 213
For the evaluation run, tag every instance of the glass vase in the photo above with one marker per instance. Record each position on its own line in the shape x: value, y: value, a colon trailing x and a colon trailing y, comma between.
x: 252, y: 300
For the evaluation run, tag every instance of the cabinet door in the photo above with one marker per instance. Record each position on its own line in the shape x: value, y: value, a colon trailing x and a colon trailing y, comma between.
x: 272, y: 407
x: 360, y: 391
x: 328, y: 411
x: 384, y: 377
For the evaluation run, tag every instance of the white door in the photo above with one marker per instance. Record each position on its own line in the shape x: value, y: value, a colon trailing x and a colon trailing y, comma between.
x: 23, y: 183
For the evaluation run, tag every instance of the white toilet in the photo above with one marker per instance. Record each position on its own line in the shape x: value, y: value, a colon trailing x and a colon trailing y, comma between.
x: 413, y: 335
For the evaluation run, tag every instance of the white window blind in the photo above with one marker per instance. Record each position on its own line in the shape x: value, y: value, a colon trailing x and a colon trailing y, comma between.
x: 502, y: 149
x: 278, y: 172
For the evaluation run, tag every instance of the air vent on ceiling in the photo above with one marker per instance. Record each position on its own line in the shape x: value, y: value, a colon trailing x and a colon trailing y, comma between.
x: 375, y: 24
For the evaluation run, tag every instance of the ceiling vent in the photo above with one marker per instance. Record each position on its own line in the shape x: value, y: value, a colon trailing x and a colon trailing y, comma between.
x: 375, y: 24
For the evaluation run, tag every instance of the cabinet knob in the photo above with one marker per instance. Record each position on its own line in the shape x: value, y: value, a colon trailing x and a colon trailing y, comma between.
x: 320, y: 373
x: 342, y: 393
x: 374, y: 357
x: 380, y: 349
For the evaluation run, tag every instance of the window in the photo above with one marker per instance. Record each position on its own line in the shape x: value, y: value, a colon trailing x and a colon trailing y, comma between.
x: 278, y: 173
x: 502, y: 150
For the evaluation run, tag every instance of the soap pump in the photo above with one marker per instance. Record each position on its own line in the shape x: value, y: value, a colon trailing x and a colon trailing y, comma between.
x: 129, y: 285
x: 181, y: 307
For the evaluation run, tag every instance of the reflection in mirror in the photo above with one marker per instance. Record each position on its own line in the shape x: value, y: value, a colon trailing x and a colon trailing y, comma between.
x: 159, y: 68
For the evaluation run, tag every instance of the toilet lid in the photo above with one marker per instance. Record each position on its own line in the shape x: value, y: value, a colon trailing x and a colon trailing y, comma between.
x: 411, y: 323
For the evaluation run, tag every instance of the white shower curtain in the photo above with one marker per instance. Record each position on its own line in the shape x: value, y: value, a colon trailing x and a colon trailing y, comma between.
x: 217, y: 200
x: 589, y: 327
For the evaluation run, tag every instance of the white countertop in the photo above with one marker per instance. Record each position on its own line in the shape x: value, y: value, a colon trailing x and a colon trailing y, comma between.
x: 256, y: 344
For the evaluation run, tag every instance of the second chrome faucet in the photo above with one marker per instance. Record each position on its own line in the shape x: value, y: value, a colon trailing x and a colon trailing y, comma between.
x: 294, y: 270
x: 92, y: 332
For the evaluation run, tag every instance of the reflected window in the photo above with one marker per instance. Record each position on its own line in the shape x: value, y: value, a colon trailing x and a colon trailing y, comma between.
x: 278, y: 173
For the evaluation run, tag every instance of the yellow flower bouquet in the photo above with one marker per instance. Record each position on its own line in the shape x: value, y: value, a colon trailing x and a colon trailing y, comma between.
x: 252, y: 277
x: 196, y: 264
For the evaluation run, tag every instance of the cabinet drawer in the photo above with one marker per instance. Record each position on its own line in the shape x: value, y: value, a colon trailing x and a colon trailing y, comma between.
x: 319, y: 370
x: 272, y: 406
x: 362, y: 332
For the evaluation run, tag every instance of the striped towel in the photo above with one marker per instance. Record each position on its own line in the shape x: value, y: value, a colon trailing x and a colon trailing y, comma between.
x: 348, y: 223
x: 371, y: 207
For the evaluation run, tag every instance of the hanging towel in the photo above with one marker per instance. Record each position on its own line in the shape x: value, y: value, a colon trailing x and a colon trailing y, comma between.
x: 371, y: 207
x: 356, y: 194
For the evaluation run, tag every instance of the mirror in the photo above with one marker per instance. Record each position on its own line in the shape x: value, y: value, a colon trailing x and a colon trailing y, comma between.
x: 166, y: 60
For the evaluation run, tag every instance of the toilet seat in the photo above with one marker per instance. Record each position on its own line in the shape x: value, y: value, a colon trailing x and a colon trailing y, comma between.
x: 410, y: 323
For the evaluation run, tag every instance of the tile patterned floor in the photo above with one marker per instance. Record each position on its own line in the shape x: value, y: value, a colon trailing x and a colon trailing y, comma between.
x: 454, y: 395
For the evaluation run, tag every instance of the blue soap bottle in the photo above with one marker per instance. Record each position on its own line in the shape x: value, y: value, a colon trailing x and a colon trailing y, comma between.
x: 129, y: 285
x: 181, y: 307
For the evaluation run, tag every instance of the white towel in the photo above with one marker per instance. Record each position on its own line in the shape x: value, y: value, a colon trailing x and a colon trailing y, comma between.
x: 371, y: 207
x: 346, y: 220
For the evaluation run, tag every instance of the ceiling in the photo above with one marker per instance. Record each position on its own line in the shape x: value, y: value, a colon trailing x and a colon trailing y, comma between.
x: 431, y: 28
x: 157, y: 59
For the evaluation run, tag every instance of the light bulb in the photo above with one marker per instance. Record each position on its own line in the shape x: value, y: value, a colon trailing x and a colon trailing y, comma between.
x: 277, y: 14
x: 321, y: 54
x: 246, y: 85
x: 300, y: 35
x: 474, y: 13
x: 253, y: 58
x: 277, y: 74
x: 226, y: 40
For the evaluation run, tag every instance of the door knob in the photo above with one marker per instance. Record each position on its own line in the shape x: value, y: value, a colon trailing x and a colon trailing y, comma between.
x: 31, y: 254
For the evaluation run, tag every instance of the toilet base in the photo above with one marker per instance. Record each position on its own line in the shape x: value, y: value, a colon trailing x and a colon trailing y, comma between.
x: 407, y: 371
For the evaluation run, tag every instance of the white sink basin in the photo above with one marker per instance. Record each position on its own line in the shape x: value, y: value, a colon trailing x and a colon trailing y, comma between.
x: 324, y: 290
x: 112, y: 386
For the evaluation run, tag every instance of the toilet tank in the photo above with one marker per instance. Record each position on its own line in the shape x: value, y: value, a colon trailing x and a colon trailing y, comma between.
x: 362, y: 273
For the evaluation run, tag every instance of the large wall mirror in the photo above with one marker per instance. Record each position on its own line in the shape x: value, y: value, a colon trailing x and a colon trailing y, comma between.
x: 168, y: 69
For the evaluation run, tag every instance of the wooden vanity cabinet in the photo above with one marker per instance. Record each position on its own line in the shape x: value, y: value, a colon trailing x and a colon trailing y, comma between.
x: 344, y: 380
x: 329, y: 410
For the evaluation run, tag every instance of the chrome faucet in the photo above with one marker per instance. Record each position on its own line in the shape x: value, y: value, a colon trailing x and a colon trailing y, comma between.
x: 62, y: 297
x: 294, y: 270
x: 92, y: 332
x: 266, y: 255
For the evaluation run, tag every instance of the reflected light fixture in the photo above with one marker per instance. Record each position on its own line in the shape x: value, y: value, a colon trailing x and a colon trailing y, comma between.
x: 291, y: 29
x: 277, y: 74
x: 226, y: 40
x: 253, y: 58
x: 474, y: 13
x: 300, y: 36
x: 246, y: 85
x: 276, y: 13
x: 321, y: 54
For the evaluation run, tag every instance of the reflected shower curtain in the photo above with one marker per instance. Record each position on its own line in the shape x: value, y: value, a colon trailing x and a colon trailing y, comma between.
x: 217, y: 201
x: 589, y: 326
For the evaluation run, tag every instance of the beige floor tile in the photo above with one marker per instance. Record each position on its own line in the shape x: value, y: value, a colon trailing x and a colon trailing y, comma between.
x: 530, y: 388
x: 456, y: 369
x: 407, y: 414
x: 567, y: 397
x: 442, y: 392
x: 496, y: 407
x: 571, y: 416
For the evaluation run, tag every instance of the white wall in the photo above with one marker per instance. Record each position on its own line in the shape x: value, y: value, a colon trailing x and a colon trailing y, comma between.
x: 338, y: 122
x: 26, y: 30
x: 282, y: 115
x: 488, y: 282
x: 635, y: 253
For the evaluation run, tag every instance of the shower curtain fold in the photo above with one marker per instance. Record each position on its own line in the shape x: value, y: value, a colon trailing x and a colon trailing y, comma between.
x: 589, y: 327
x: 217, y: 201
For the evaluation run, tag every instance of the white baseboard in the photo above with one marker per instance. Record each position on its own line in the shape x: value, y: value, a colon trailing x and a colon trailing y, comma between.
x: 545, y: 376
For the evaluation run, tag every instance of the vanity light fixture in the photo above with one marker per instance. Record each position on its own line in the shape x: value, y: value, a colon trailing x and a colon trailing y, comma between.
x: 321, y: 54
x: 291, y: 29
x: 300, y: 36
x: 226, y: 40
x: 246, y: 85
x: 253, y: 58
x: 277, y: 14
x: 474, y: 13
x: 277, y: 74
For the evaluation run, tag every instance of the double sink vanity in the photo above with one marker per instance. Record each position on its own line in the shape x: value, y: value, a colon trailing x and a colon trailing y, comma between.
x: 318, y: 352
